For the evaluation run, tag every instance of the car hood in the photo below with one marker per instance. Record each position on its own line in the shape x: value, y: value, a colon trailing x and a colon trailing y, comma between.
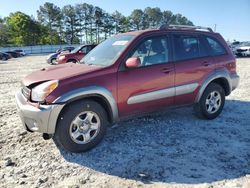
x: 58, y: 72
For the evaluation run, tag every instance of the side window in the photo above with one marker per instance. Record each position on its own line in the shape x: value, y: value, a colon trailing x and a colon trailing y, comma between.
x: 152, y: 51
x: 216, y: 47
x: 89, y: 48
x: 188, y: 47
x: 84, y: 49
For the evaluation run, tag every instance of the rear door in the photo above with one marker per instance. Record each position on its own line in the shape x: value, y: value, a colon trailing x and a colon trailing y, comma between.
x: 192, y: 64
x: 151, y: 85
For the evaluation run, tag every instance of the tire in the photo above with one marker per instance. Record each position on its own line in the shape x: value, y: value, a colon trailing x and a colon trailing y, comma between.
x: 76, y: 120
x: 211, y: 102
x: 53, y: 61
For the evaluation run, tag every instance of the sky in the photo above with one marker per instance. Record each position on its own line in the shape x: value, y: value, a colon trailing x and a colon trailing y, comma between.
x: 232, y: 17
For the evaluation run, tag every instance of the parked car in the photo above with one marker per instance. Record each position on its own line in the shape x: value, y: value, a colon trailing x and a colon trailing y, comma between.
x: 51, y: 59
x: 76, y: 55
x: 13, y: 54
x: 21, y: 52
x: 4, y: 56
x: 67, y: 48
x: 243, y: 50
x: 127, y: 75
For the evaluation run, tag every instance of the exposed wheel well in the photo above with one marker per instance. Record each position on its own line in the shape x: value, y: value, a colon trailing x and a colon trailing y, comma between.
x: 97, y: 98
x: 71, y: 60
x: 224, y: 84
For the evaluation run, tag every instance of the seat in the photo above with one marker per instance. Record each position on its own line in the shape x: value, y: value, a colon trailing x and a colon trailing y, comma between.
x: 159, y: 55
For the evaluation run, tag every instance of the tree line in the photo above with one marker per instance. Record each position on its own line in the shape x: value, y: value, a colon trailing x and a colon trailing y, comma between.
x: 77, y: 24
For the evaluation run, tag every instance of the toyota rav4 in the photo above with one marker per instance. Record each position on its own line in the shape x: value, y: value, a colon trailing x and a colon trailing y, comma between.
x: 128, y: 74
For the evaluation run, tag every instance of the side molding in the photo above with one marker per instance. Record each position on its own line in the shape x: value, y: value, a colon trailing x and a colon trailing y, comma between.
x: 89, y: 91
x: 163, y: 93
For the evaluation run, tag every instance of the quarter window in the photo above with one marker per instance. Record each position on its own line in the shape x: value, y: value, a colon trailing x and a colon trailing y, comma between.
x: 188, y: 47
x: 152, y: 51
x: 216, y: 47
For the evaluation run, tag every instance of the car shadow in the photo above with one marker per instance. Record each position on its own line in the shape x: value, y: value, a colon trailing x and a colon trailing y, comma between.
x: 175, y: 146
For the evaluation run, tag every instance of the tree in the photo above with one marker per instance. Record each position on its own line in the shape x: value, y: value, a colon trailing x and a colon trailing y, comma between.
x: 153, y: 17
x: 99, y: 14
x: 71, y: 23
x: 119, y: 21
x: 82, y: 22
x: 108, y: 26
x: 137, y: 19
x: 22, y: 28
x: 82, y: 13
x: 4, y: 34
x: 50, y: 16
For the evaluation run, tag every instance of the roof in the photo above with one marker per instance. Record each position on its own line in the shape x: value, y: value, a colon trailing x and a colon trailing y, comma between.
x: 171, y: 28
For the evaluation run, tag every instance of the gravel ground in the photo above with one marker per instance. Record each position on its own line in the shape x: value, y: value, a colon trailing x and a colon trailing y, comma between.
x: 168, y: 149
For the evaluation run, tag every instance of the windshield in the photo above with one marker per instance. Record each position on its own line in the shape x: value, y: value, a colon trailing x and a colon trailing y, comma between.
x: 108, y: 51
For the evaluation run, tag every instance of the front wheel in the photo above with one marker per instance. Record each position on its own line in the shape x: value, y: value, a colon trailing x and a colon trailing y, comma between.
x: 211, y: 102
x: 81, y: 126
x: 53, y: 61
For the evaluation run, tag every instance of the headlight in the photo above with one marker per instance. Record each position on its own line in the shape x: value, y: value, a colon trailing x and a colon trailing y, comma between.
x: 62, y: 57
x: 40, y: 92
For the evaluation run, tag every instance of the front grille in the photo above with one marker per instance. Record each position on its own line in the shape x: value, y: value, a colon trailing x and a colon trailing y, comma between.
x: 26, y: 92
x: 241, y: 50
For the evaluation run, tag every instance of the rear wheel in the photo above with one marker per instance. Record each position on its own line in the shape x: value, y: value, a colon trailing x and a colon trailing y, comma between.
x: 81, y: 126
x: 211, y: 102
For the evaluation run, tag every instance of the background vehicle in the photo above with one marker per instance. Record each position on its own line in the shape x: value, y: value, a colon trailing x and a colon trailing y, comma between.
x: 243, y: 49
x: 67, y: 48
x: 4, y: 56
x: 21, y: 52
x: 51, y: 59
x: 13, y: 54
x: 129, y: 74
x: 75, y: 55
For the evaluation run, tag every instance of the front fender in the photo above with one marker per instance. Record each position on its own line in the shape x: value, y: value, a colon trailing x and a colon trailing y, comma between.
x: 91, y: 91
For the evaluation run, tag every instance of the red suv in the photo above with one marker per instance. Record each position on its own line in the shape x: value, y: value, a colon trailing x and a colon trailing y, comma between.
x: 128, y: 74
x: 74, y: 56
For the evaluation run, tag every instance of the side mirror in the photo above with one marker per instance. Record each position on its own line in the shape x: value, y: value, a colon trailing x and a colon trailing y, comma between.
x: 133, y: 62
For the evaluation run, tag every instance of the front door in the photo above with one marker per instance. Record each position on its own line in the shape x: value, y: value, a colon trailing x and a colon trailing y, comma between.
x: 151, y: 85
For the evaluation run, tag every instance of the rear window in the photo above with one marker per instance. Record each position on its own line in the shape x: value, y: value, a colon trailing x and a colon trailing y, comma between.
x: 216, y: 47
x: 188, y: 47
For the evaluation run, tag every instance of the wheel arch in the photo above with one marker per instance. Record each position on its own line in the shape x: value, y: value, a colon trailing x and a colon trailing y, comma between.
x: 97, y: 93
x: 221, y: 77
x: 72, y: 60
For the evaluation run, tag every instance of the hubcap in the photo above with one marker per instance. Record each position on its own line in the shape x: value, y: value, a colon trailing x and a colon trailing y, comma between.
x: 85, y: 127
x: 213, y: 102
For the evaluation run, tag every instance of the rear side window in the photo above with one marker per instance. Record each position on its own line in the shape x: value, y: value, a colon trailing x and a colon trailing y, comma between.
x: 216, y: 47
x: 188, y: 47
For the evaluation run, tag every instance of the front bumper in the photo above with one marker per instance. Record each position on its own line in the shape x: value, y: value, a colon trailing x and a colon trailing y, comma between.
x: 244, y: 53
x: 235, y: 79
x: 37, y: 119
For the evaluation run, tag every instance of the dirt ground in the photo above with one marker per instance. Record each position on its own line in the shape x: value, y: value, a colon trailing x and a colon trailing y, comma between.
x: 168, y: 149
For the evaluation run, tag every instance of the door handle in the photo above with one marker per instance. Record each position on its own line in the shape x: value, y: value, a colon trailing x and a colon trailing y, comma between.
x: 206, y: 64
x: 167, y: 70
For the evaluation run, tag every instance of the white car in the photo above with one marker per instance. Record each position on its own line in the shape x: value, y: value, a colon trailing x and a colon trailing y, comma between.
x: 243, y: 50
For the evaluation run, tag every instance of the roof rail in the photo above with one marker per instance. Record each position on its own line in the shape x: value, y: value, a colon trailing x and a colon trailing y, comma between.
x: 165, y: 26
